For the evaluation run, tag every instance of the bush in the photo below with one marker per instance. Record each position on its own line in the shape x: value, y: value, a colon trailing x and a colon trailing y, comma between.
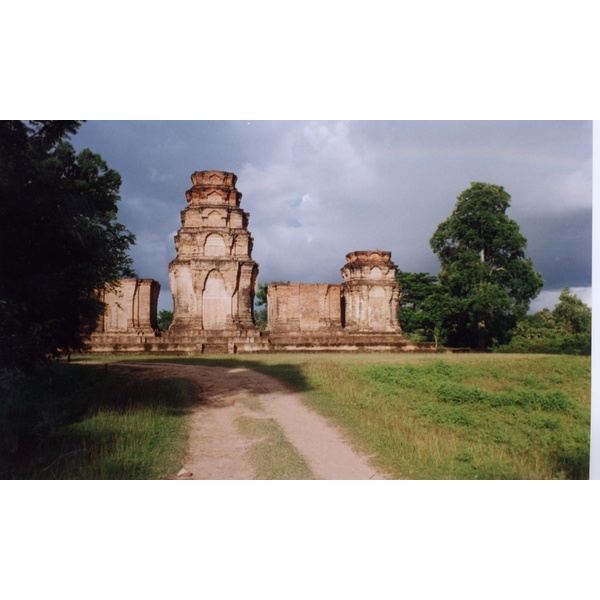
x: 457, y: 393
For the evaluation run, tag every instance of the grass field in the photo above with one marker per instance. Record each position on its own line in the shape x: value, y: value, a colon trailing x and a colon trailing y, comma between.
x: 449, y: 416
x: 464, y: 416
x: 454, y: 416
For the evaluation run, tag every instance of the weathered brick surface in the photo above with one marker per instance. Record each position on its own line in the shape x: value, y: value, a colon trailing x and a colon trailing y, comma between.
x: 304, y: 307
x: 130, y: 307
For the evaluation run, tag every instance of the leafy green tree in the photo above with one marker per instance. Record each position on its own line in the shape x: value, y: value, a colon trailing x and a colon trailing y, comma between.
x: 536, y: 326
x: 484, y: 270
x: 260, y: 302
x: 564, y: 330
x: 572, y: 314
x: 60, y: 241
x: 415, y: 304
x: 165, y: 318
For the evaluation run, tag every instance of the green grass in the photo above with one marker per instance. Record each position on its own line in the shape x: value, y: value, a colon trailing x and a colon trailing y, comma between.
x: 464, y: 416
x: 272, y: 455
x: 79, y: 422
x: 454, y: 416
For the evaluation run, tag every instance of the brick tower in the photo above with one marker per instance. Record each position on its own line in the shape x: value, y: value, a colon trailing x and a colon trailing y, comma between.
x: 213, y: 278
x: 371, y: 293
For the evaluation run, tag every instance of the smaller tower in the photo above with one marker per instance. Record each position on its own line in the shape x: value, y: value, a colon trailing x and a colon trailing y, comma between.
x: 370, y: 293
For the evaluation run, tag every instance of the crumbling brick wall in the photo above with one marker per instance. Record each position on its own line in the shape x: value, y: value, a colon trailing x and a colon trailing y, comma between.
x: 130, y: 307
x: 303, y: 307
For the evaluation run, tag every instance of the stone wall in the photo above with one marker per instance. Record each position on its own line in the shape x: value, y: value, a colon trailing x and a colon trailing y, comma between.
x: 303, y: 307
x: 129, y: 319
x: 130, y: 307
x: 367, y: 301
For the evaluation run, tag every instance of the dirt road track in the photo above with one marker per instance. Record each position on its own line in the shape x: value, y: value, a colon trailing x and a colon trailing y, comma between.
x: 218, y: 448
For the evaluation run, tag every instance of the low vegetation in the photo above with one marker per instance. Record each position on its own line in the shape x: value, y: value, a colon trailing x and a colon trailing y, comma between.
x: 565, y: 330
x: 446, y: 416
x: 464, y: 416
x: 82, y: 422
x: 272, y: 454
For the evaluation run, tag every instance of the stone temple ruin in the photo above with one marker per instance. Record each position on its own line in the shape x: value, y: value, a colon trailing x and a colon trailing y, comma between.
x: 213, y: 280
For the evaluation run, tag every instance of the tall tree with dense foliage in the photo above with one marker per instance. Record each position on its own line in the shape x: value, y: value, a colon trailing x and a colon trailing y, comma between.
x: 424, y: 304
x: 417, y: 289
x: 59, y: 239
x: 484, y: 269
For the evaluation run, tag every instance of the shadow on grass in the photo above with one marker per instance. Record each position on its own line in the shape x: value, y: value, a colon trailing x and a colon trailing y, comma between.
x: 572, y: 461
x: 289, y: 373
x: 71, y: 422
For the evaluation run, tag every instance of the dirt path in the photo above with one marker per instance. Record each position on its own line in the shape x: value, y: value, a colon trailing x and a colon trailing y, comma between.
x: 221, y: 449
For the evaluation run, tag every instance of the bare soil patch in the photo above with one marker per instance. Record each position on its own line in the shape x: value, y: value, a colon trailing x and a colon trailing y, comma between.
x: 220, y: 448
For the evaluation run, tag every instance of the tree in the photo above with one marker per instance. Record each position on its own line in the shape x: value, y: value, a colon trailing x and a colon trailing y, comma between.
x: 424, y: 304
x: 165, y: 318
x: 417, y: 289
x: 60, y: 241
x: 260, y: 301
x: 484, y: 270
x: 572, y: 314
x: 565, y: 330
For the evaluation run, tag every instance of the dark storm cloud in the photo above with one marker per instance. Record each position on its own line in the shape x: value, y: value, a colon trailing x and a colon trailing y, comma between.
x: 318, y: 190
x: 560, y: 247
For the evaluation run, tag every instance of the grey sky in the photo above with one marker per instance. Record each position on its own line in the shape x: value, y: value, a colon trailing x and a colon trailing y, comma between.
x: 316, y: 190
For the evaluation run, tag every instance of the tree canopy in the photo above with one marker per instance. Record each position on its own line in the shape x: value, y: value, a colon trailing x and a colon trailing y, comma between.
x: 165, y: 318
x: 60, y: 241
x: 414, y: 313
x: 565, y: 330
x: 572, y: 314
x: 488, y: 281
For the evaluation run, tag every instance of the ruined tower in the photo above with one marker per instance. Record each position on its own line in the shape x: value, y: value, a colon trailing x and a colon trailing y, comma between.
x: 370, y: 292
x: 213, y: 277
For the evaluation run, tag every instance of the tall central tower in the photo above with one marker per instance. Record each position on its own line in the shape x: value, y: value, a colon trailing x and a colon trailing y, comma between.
x: 213, y: 278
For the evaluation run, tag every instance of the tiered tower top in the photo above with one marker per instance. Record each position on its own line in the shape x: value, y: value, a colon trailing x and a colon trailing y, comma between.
x: 214, y: 188
x: 369, y: 264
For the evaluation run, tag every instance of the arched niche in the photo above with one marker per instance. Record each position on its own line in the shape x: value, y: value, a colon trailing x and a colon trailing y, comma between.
x: 215, y: 219
x: 214, y: 245
x: 215, y: 198
x: 378, y: 308
x: 376, y: 273
x: 216, y: 303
